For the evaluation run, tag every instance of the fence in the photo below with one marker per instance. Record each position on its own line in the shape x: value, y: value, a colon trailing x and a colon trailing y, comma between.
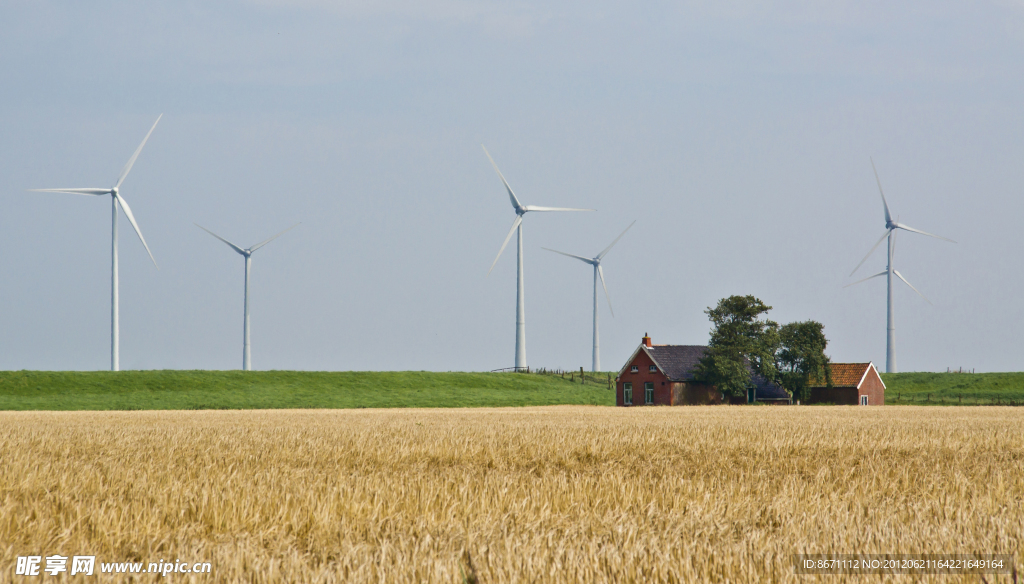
x: 582, y: 377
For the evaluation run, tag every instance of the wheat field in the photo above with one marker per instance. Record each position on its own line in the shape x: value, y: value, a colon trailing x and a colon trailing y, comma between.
x: 552, y: 494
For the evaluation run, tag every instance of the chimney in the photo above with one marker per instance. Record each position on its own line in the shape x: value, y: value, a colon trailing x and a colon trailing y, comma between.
x: 646, y: 341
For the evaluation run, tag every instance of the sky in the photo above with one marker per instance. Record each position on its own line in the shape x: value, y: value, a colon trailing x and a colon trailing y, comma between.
x: 738, y: 136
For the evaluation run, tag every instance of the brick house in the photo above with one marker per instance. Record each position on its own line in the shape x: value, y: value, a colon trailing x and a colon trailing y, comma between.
x: 663, y: 375
x: 852, y: 384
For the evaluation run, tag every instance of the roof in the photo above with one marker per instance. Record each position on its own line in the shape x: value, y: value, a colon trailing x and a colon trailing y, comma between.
x: 678, y: 363
x: 767, y: 389
x: 845, y: 375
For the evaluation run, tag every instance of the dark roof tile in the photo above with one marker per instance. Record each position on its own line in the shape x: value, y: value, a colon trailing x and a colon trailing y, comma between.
x: 677, y: 361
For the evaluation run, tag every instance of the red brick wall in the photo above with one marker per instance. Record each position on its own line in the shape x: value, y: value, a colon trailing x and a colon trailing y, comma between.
x: 662, y: 387
x: 872, y: 387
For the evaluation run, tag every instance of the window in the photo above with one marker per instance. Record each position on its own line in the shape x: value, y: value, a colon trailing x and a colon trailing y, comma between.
x: 863, y: 400
x: 649, y: 392
x: 653, y: 368
x: 627, y: 394
x: 634, y: 369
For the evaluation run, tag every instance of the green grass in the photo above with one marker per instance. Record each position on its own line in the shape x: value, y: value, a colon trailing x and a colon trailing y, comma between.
x: 183, y: 390
x: 954, y: 388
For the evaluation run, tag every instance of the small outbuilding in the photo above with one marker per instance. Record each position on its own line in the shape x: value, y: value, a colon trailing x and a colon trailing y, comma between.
x: 663, y: 375
x: 852, y: 384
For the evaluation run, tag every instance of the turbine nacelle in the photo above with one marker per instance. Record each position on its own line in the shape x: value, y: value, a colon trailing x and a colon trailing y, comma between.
x: 115, y: 191
x: 890, y: 228
x: 596, y: 262
x: 249, y: 250
x: 519, y: 208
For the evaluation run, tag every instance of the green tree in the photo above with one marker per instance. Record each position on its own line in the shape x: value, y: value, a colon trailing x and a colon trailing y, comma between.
x: 801, y: 358
x: 741, y: 341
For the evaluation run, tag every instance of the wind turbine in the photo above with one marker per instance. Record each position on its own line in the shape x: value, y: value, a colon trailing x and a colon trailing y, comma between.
x: 517, y: 227
x: 247, y: 253
x: 115, y: 200
x: 598, y: 273
x: 890, y: 233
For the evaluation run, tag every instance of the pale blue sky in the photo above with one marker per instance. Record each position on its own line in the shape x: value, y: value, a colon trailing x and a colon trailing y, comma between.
x: 737, y: 134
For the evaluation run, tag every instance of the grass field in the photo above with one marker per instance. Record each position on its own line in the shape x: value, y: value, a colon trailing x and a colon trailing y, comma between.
x: 954, y: 388
x: 555, y: 494
x: 190, y: 390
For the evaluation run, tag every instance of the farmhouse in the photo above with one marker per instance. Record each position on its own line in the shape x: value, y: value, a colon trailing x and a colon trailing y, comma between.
x: 852, y: 384
x: 663, y: 375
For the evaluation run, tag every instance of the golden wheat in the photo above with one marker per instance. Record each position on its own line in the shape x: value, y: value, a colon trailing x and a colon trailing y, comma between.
x: 561, y: 494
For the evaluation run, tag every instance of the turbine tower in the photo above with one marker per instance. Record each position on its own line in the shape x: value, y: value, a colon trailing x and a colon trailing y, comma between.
x: 598, y: 273
x: 517, y: 227
x: 116, y: 200
x: 247, y: 254
x: 890, y: 271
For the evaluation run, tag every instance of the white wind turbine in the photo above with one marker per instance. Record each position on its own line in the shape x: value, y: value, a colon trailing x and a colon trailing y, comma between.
x: 598, y: 273
x: 890, y: 233
x: 517, y: 227
x: 247, y: 254
x: 115, y: 200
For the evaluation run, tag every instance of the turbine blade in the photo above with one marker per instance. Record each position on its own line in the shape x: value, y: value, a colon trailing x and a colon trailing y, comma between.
x: 511, y: 195
x: 888, y: 217
x: 535, y: 208
x: 873, y: 248
x: 865, y: 279
x: 581, y: 258
x: 128, y: 166
x: 607, y: 249
x: 233, y: 246
x: 607, y: 296
x: 515, y: 224
x: 908, y: 228
x: 131, y: 219
x: 73, y: 191
x: 900, y: 276
x: 261, y: 244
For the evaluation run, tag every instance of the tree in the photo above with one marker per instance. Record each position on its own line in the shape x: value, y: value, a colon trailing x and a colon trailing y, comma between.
x: 801, y: 357
x: 741, y: 342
